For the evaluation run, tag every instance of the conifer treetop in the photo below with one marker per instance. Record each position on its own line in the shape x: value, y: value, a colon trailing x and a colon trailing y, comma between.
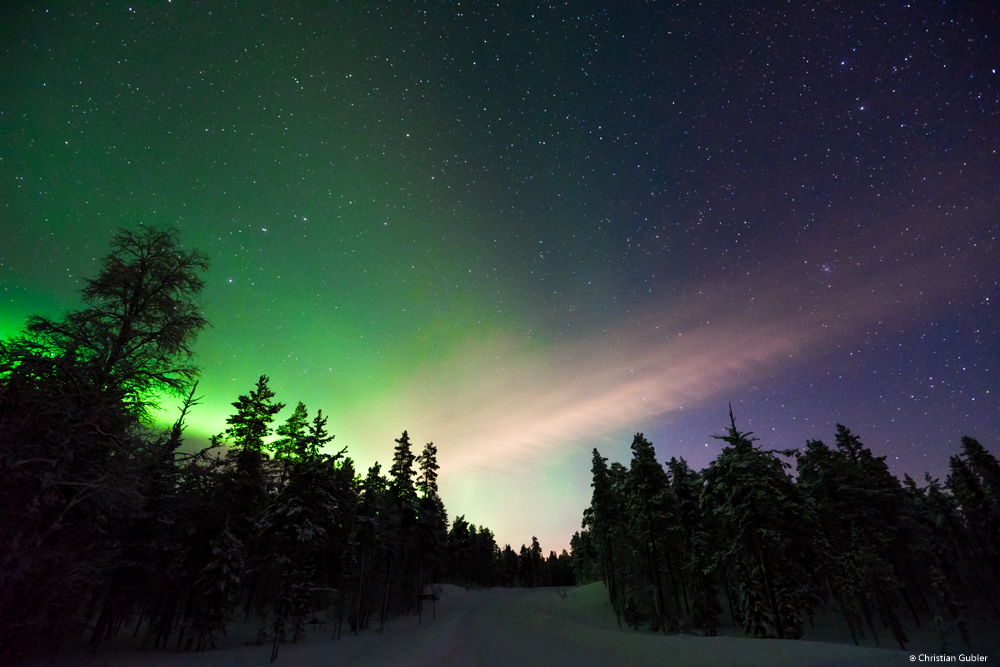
x: 254, y: 413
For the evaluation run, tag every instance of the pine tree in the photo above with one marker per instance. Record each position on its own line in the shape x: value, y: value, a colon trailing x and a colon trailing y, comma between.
x: 985, y: 465
x: 939, y: 552
x: 562, y: 569
x: 485, y: 555
x: 525, y: 569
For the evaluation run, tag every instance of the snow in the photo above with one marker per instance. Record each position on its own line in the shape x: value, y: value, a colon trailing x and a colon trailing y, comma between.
x: 544, y: 626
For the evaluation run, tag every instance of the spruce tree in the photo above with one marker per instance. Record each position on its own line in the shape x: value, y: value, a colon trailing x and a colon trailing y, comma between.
x: 316, y: 435
x: 295, y: 532
x: 606, y: 522
x: 866, y: 529
x: 427, y: 479
x: 249, y: 479
x: 766, y: 526
x: 432, y: 521
x: 698, y: 545
x: 460, y: 552
x: 401, y: 473
x: 145, y: 580
x: 404, y: 558
x: 975, y: 482
x: 375, y: 536
x: 508, y: 567
x: 242, y: 493
x: 535, y: 561
x: 292, y: 443
x: 651, y: 510
x: 251, y: 423
x: 215, y: 591
x: 584, y: 558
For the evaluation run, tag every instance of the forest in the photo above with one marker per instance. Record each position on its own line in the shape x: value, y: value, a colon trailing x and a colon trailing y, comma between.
x: 673, y: 545
x: 109, y: 525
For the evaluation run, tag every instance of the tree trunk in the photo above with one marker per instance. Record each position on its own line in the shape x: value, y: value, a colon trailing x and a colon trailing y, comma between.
x: 729, y: 597
x: 765, y: 565
x: 385, y: 599
x: 361, y: 580
x: 613, y: 584
x: 659, y: 583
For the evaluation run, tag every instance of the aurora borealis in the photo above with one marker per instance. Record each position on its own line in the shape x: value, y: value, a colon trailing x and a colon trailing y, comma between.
x: 524, y: 230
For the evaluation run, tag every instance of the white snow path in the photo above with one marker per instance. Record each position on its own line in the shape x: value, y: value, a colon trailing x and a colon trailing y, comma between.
x: 500, y: 627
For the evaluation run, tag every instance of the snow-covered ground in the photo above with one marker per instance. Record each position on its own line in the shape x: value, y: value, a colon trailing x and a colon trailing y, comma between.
x: 546, y: 626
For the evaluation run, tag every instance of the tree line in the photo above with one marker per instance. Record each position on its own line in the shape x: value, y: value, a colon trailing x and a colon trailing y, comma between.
x: 673, y: 545
x: 108, y: 525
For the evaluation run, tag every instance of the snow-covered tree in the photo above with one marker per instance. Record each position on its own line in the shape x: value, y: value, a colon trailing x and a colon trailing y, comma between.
x: 766, y: 535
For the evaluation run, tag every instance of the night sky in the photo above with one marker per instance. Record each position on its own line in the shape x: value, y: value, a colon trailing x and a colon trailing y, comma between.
x: 521, y: 231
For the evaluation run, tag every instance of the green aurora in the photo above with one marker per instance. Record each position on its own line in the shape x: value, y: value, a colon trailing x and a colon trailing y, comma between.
x: 523, y: 233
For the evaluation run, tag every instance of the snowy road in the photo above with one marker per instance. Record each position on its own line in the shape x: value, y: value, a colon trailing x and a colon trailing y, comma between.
x: 508, y: 627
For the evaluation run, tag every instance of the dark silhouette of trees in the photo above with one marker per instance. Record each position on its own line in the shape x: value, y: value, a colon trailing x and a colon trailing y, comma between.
x: 108, y: 524
x: 859, y: 507
x: 136, y: 335
x: 73, y: 454
x: 373, y: 536
x: 473, y: 556
x: 300, y: 531
x: 844, y: 532
x: 975, y: 483
x: 584, y: 558
x: 696, y: 544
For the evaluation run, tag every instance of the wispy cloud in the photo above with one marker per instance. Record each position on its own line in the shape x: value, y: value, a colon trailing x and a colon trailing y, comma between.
x: 500, y: 402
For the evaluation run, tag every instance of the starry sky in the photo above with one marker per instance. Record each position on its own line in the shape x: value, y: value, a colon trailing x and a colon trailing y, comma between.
x: 525, y: 230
